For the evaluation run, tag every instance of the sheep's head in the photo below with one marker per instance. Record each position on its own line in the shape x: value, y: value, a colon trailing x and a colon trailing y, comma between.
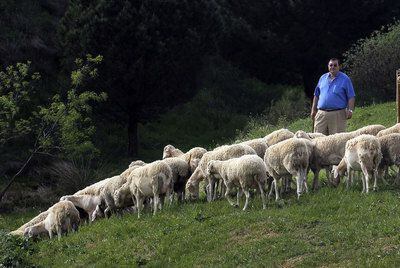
x: 193, y: 163
x: 121, y: 195
x: 211, y: 168
x: 168, y: 151
x: 29, y: 232
x: 192, y: 191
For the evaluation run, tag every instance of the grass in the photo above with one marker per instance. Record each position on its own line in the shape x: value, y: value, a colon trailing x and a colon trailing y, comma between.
x: 331, y: 227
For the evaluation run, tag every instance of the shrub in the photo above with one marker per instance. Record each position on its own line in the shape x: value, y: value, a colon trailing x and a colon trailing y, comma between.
x: 372, y: 62
x: 14, y: 251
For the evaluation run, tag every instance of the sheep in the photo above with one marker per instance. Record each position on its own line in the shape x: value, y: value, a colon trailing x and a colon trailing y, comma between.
x: 220, y: 153
x: 390, y: 146
x: 389, y: 130
x: 370, y: 129
x: 361, y: 153
x: 192, y: 157
x: 62, y: 217
x: 88, y: 202
x: 259, y: 145
x: 289, y: 158
x: 309, y: 135
x: 246, y: 172
x: 137, y: 163
x: 180, y: 175
x: 39, y: 218
x: 328, y: 151
x: 150, y: 180
x: 278, y: 135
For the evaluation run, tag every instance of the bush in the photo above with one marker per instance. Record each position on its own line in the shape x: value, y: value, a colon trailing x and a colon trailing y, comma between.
x: 372, y: 62
x: 14, y: 251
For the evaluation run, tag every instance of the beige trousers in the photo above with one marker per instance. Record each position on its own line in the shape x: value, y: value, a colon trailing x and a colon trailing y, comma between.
x: 330, y: 122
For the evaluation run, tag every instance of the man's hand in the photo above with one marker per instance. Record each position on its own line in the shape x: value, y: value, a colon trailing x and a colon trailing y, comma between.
x: 349, y: 113
x: 313, y: 114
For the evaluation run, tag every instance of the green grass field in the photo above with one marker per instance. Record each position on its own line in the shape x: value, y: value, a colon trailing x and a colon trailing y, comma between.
x: 332, y: 227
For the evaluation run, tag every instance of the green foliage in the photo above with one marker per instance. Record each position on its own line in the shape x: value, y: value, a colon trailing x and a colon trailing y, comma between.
x: 372, y: 63
x: 16, y: 89
x: 14, y: 251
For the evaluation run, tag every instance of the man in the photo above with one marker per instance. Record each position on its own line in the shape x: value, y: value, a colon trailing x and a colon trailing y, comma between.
x: 333, y: 101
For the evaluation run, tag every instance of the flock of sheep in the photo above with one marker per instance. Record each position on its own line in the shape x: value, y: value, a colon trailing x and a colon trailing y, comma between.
x: 262, y: 164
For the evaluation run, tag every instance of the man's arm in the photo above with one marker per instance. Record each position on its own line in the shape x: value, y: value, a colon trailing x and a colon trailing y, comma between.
x: 314, y: 107
x: 350, y: 108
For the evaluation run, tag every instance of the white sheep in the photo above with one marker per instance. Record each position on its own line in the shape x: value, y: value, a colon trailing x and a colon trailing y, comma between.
x: 151, y: 180
x: 220, y: 153
x: 362, y: 153
x: 389, y: 130
x: 390, y: 146
x: 39, y: 218
x: 289, y: 158
x: 259, y: 145
x: 370, y: 129
x: 328, y: 151
x: 278, y: 136
x: 62, y: 218
x: 192, y: 157
x: 244, y: 172
x: 309, y: 135
x: 180, y: 175
x: 88, y: 202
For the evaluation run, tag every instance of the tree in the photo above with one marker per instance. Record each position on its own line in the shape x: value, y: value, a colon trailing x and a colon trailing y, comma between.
x: 62, y: 127
x: 152, y: 51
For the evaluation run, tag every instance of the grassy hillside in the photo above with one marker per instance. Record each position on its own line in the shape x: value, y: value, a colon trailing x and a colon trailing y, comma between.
x: 332, y: 227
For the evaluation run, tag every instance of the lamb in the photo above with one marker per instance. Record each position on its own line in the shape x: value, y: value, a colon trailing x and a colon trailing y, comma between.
x: 246, y: 172
x: 289, y: 158
x: 191, y: 157
x: 390, y: 146
x: 389, y: 130
x: 220, y: 153
x: 278, y: 135
x: 361, y: 153
x: 62, y: 217
x: 39, y: 218
x: 309, y: 135
x: 151, y: 180
x: 89, y: 203
x: 259, y: 145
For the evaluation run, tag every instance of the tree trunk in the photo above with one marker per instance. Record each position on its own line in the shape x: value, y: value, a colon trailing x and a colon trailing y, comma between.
x: 133, y: 140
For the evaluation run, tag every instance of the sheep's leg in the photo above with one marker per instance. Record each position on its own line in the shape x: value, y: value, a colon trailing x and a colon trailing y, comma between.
x: 139, y: 204
x: 238, y: 196
x: 262, y: 195
x: 299, y: 182
x: 50, y: 234
x: 375, y: 174
x: 366, y: 177
x: 397, y: 180
x: 247, y: 194
x: 349, y: 177
x: 276, y: 190
x: 215, y: 190
x: 227, y: 194
x: 59, y: 232
x: 272, y: 188
x: 156, y: 203
x: 210, y: 188
x: 315, y: 185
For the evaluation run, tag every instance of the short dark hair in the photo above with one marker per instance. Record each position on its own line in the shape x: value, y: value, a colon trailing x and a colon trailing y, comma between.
x: 335, y: 59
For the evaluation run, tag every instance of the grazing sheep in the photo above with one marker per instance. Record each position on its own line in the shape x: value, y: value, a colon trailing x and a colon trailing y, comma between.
x: 191, y: 157
x: 62, y: 217
x: 390, y: 146
x: 89, y: 203
x: 245, y: 172
x: 328, y: 151
x: 278, y: 135
x: 309, y: 135
x: 180, y: 175
x: 370, y: 129
x: 151, y: 180
x: 259, y: 145
x: 220, y: 153
x: 361, y: 153
x: 289, y: 158
x: 389, y: 130
x: 39, y: 218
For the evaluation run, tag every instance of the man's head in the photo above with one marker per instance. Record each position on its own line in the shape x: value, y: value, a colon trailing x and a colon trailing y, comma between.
x: 333, y: 66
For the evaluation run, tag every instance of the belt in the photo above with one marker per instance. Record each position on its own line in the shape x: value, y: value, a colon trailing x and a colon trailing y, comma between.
x: 331, y: 110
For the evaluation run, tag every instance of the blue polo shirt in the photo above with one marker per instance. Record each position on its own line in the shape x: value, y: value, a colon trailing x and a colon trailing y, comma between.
x: 334, y: 94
